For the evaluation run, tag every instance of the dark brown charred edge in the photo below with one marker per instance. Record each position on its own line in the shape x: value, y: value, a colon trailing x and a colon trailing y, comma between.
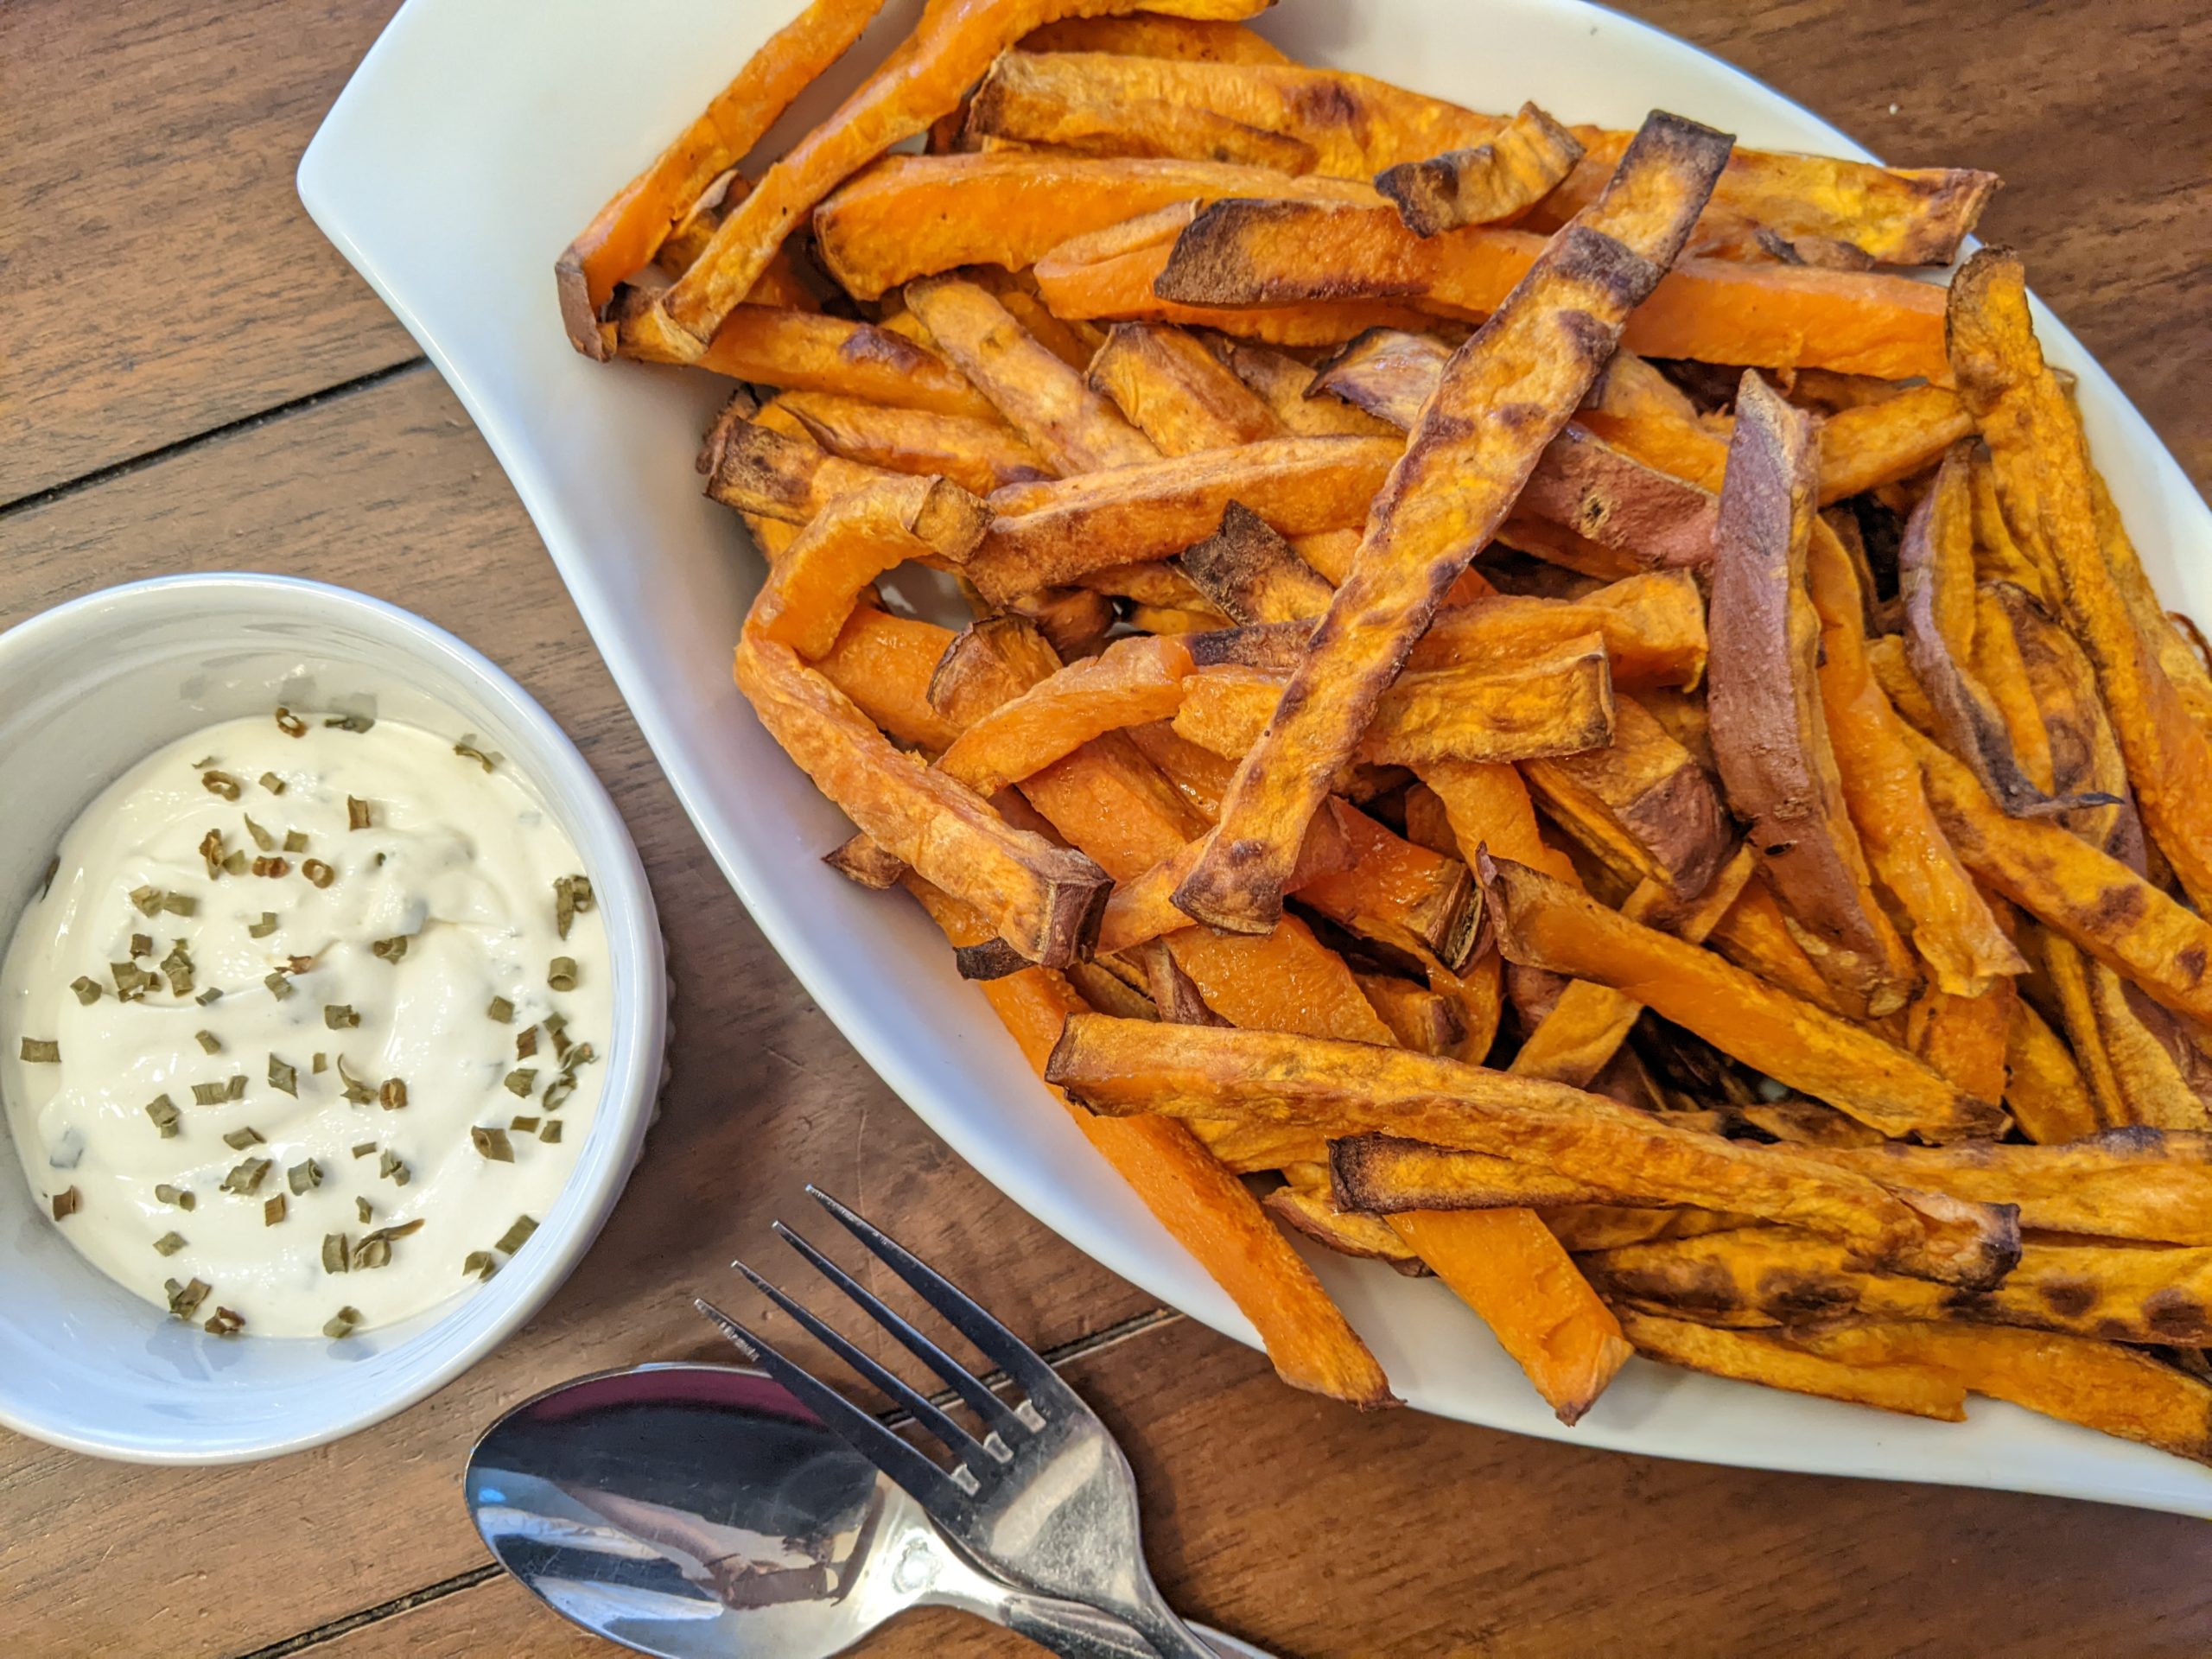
x: 742, y: 407
x: 1583, y: 484
x: 1451, y: 922
x: 586, y: 332
x: 1431, y: 194
x: 1669, y: 150
x: 1679, y: 821
x: 1210, y: 263
x: 990, y: 662
x: 2083, y: 749
x: 1074, y: 621
x: 1970, y: 1245
x: 1388, y: 372
x: 1287, y: 1211
x: 990, y: 959
x: 950, y: 520
x: 1100, y: 985
x: 863, y: 860
x: 1272, y: 647
x: 1363, y: 1177
x: 1075, y: 904
x: 1173, y: 992
x: 1248, y: 569
x: 1955, y: 198
x: 764, y: 472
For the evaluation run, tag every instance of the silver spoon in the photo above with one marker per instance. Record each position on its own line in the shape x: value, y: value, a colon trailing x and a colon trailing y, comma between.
x: 702, y: 1512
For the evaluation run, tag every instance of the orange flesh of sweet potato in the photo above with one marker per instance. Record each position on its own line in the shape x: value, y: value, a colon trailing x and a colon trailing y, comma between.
x: 1547, y: 924
x: 2174, y: 640
x: 883, y: 663
x: 1769, y: 733
x: 1044, y: 900
x: 1252, y: 573
x: 911, y: 216
x: 759, y: 470
x: 1493, y: 183
x: 1653, y: 626
x: 1207, y: 1209
x: 1046, y: 534
x: 813, y: 587
x: 1641, y: 803
x: 1880, y: 443
x: 1399, y: 893
x: 804, y: 350
x: 1149, y: 35
x: 1122, y: 1067
x: 1177, y: 392
x: 1041, y: 397
x: 1963, y: 1037
x: 1462, y: 468
x: 628, y: 230
x: 2041, y: 475
x: 1286, y: 385
x: 1013, y: 105
x: 1953, y: 929
x: 1384, y: 1175
x: 1747, y: 1357
x: 1390, y: 373
x: 1142, y: 908
x: 2043, y: 1088
x: 1488, y: 805
x: 977, y: 455
x: 1133, y: 680
x: 1419, y: 1019
x: 1310, y: 1209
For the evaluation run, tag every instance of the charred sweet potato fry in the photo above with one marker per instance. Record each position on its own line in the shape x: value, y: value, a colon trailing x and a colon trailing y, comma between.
x: 1177, y: 392
x: 1419, y: 1018
x: 1252, y: 573
x: 1493, y: 183
x: 1641, y: 803
x: 1749, y: 1356
x: 1385, y: 1175
x: 761, y: 470
x: 1398, y: 893
x: 1124, y: 1066
x: 1045, y: 900
x: 1142, y: 907
x: 1041, y: 397
x: 804, y: 350
x: 977, y: 455
x: 1463, y: 466
x: 628, y: 231
x: 1286, y: 386
x: 1149, y: 34
x: 1546, y: 923
x: 1310, y: 1209
x: 1028, y: 104
x: 1638, y: 411
x: 820, y: 577
x: 1133, y: 680
x: 1046, y: 534
x: 1769, y: 733
x: 1390, y: 373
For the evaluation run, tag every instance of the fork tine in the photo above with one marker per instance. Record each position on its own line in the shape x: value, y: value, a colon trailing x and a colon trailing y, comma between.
x: 925, y: 1483
x: 1021, y: 1361
x: 957, y: 1377
x: 963, y: 1444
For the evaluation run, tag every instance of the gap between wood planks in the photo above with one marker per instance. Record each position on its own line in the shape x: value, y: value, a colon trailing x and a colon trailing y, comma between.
x: 1066, y: 1353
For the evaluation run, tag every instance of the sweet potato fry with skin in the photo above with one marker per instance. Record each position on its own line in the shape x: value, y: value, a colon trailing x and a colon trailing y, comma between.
x: 911, y: 216
x: 1419, y: 1018
x: 1641, y: 803
x: 1177, y: 392
x: 1493, y: 183
x: 1148, y: 34
x: 627, y: 232
x: 978, y: 456
x: 1017, y: 102
x: 1207, y: 1209
x: 1122, y: 1067
x: 1286, y: 385
x: 860, y: 860
x: 1390, y: 373
x: 1641, y: 412
x: 925, y: 78
x: 1652, y: 626
x: 2100, y: 1385
x: 2041, y: 475
x: 804, y: 350
x: 1880, y: 443
x: 1309, y: 1211
x: 1546, y: 923
x: 1398, y: 893
x: 1251, y: 573
x: 1046, y: 534
x: 2060, y: 688
x: 1462, y: 469
x: 1559, y: 703
x: 884, y: 663
x: 2043, y: 1088
x: 758, y: 470
x: 1769, y: 733
x: 1953, y: 929
x: 1747, y: 1357
x: 1246, y: 253
x: 815, y: 585
x: 1043, y: 399
x: 1133, y: 680
x: 1045, y: 900
x: 1384, y: 1175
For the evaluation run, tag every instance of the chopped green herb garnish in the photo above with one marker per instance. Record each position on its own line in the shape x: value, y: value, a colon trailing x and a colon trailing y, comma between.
x: 245, y: 1178
x: 170, y: 1243
x: 356, y: 1091
x: 520, y: 1081
x: 355, y: 723
x: 389, y: 1166
x: 165, y: 1115
x: 363, y: 1148
x: 319, y: 874
x: 572, y: 896
x: 304, y: 1177
x: 185, y: 1299
x: 283, y: 1077
x: 470, y: 751
x: 210, y: 1094
x: 357, y: 813
x: 180, y: 904
x: 178, y: 966
x: 66, y: 1202
x: 525, y: 1042
x: 393, y: 1095
x: 361, y: 1208
x: 516, y: 1236
x: 339, y: 1016
x: 213, y: 993
x: 225, y: 1323
x: 211, y: 849
x: 273, y: 868
x: 273, y: 1210
x: 272, y: 782
x: 290, y: 723
x: 234, y: 863
x: 337, y: 1257
x: 222, y: 783
x: 41, y: 1051
x: 239, y: 1139
x: 523, y: 1124
x: 482, y: 1263
x: 176, y: 1195
x: 261, y: 838
x: 146, y: 901
x: 551, y: 1133
x: 141, y: 944
x: 53, y: 869
x: 493, y: 1144
x: 390, y: 950
x: 557, y: 1092
x: 372, y: 1252
x: 88, y: 989
x: 264, y: 927
x: 341, y: 1324
x: 280, y: 987
x: 320, y: 1064
x: 500, y: 1009
x: 295, y: 841
x: 208, y: 1041
x: 560, y: 973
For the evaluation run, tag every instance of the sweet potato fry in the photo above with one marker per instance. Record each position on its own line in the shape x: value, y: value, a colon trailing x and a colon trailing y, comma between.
x: 1390, y: 373
x: 1769, y: 733
x: 1044, y: 901
x: 1045, y: 534
x: 2041, y: 474
x: 1419, y: 1019
x: 1559, y: 703
x: 1043, y: 399
x: 1494, y: 183
x: 927, y: 77
x: 1124, y: 1066
x: 1461, y: 470
x: 884, y: 663
x: 1638, y: 411
x: 1652, y: 626
x: 1133, y: 680
x: 1396, y: 894
x: 761, y: 470
x: 1384, y: 1175
x: 1747, y: 1357
x: 1149, y: 35
x: 1642, y: 803
x: 812, y: 589
x: 1880, y: 443
x: 1177, y: 392
x: 977, y: 455
x: 1286, y: 385
x: 627, y: 232
x: 2043, y: 1088
x: 1205, y: 1208
x: 1141, y: 907
x: 1019, y: 101
x: 1546, y: 923
x: 2172, y: 638
x: 2061, y: 687
x: 1252, y: 573
x: 804, y: 350
x: 1244, y: 253
x: 1310, y: 1211
x: 911, y: 216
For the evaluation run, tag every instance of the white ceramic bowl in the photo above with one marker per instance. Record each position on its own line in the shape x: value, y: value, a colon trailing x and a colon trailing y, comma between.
x: 90, y: 688
x: 480, y: 135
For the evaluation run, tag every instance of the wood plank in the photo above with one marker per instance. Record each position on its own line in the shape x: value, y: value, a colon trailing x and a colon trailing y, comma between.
x: 1396, y: 1534
x: 765, y: 1094
x: 160, y: 277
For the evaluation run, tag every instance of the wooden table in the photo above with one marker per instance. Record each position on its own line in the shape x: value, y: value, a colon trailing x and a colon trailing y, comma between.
x: 191, y: 379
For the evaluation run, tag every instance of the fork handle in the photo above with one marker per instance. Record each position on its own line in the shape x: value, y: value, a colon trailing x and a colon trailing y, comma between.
x: 1074, y: 1631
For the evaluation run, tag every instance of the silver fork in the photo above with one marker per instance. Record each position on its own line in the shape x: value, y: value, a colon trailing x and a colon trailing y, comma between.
x: 1046, y: 1499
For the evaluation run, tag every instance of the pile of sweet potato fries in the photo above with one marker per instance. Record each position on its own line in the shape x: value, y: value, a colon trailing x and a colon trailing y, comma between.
x: 1527, y: 685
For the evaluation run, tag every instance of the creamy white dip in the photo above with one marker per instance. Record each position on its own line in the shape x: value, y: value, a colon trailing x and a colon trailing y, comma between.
x: 392, y: 949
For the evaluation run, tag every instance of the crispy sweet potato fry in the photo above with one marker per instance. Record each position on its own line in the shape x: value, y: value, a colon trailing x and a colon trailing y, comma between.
x: 1398, y: 893
x: 1419, y: 1019
x: 1559, y: 703
x: 1494, y: 183
x: 1310, y: 1211
x: 1020, y: 102
x: 1390, y: 373
x: 1546, y: 923
x: 1286, y: 385
x: 1747, y: 1357
x: 1122, y: 1067
x: 884, y: 663
x: 1769, y: 733
x: 1242, y: 254
x: 1043, y: 399
x: 1045, y: 534
x: 1045, y: 900
x: 1641, y: 803
x: 1177, y: 392
x: 1149, y: 35
x: 910, y: 216
x: 804, y: 350
x: 2043, y: 1088
x: 627, y: 232
x: 1133, y: 680
x: 1653, y: 626
x: 1878, y: 443
x: 1963, y: 1037
x: 1384, y: 1175
x: 977, y: 455
x: 1456, y: 483
x: 1641, y: 412
x: 1252, y: 573
x: 1141, y: 907
x: 2041, y: 474
x: 813, y: 587
x: 761, y: 470
x: 2061, y: 687
x: 2173, y: 639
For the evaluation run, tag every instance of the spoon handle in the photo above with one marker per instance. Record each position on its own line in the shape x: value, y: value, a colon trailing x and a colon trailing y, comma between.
x: 1077, y: 1632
